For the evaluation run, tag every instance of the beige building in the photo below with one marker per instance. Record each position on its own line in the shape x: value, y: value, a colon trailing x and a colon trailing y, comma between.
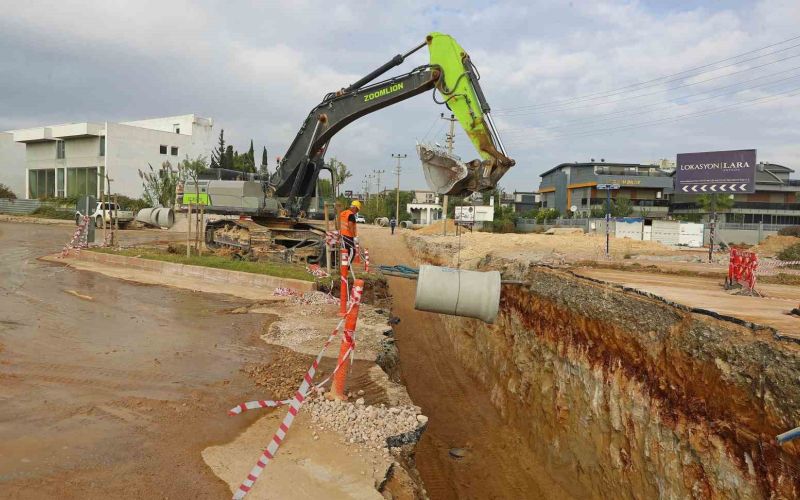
x: 69, y: 159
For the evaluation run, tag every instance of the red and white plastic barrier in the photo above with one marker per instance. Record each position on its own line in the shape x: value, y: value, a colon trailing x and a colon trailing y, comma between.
x: 294, y: 405
x: 742, y: 268
x: 366, y: 260
x: 79, y: 238
x: 332, y: 238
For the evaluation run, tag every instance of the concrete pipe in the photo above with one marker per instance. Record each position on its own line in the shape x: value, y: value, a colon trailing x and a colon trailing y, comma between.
x: 160, y: 217
x: 164, y: 217
x: 458, y: 292
x: 381, y: 221
x: 406, y: 224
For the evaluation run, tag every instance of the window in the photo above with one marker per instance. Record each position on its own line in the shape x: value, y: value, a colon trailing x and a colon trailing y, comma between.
x: 102, y: 145
x: 162, y: 149
x: 60, y: 150
x: 82, y: 181
x: 60, y: 182
x: 176, y: 127
x: 42, y: 183
x: 173, y: 150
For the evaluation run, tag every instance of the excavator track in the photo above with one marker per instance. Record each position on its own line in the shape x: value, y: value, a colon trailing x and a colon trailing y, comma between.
x: 275, y: 238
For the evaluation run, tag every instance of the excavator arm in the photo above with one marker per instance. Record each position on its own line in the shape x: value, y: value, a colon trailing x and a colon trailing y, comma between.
x: 452, y: 74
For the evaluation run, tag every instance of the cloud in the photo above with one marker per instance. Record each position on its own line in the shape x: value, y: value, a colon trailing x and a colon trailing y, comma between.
x: 259, y: 69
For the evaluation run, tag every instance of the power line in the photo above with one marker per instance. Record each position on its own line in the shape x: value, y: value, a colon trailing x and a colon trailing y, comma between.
x: 628, y: 98
x: 789, y: 93
x: 658, y: 79
x: 652, y: 93
x: 648, y: 108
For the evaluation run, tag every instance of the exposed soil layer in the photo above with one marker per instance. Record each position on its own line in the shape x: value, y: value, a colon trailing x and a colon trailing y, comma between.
x: 625, y: 395
x: 498, y: 463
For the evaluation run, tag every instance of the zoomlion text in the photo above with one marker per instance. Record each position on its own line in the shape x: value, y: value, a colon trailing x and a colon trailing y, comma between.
x: 383, y: 92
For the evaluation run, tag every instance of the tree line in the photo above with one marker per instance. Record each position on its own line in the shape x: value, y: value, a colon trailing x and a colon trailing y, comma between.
x: 224, y: 156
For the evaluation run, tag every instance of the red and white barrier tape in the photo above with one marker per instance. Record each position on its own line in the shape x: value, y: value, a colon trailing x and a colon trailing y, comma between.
x: 332, y: 238
x: 294, y: 407
x: 317, y: 271
x: 79, y: 238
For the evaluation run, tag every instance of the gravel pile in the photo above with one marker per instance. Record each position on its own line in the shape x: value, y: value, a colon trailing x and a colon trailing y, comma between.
x: 376, y: 427
x: 313, y: 298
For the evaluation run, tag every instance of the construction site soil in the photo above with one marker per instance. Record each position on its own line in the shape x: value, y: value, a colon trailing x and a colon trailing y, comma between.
x: 623, y: 390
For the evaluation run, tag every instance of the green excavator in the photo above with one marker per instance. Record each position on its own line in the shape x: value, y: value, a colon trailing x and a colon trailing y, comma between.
x: 272, y: 210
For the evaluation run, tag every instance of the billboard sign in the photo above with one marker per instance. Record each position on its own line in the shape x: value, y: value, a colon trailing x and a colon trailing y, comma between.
x: 716, y: 172
x: 348, y: 194
x: 476, y: 213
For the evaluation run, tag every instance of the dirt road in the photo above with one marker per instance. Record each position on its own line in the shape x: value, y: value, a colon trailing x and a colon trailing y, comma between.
x: 99, y: 401
x: 498, y: 463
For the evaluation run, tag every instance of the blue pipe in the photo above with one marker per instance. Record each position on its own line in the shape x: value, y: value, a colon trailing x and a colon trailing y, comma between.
x: 788, y: 435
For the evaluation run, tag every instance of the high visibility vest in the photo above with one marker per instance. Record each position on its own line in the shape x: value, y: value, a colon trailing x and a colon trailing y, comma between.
x: 344, y: 224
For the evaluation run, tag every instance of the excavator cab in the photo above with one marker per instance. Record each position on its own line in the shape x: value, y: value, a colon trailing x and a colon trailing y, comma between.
x: 458, y: 85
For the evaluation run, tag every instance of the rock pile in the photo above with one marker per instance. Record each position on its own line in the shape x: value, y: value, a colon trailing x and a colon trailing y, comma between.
x: 376, y: 427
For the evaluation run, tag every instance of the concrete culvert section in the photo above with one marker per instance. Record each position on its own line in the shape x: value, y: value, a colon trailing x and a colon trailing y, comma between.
x: 601, y: 390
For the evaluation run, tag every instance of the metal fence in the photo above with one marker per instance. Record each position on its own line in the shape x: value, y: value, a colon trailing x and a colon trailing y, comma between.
x: 27, y: 207
x: 19, y: 207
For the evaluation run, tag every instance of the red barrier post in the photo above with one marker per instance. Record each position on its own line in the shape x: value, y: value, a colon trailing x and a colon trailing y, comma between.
x: 343, y: 362
x: 366, y: 260
x: 343, y: 267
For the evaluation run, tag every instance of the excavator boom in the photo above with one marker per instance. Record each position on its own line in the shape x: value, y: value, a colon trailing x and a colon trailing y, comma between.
x: 463, y: 95
x: 450, y: 74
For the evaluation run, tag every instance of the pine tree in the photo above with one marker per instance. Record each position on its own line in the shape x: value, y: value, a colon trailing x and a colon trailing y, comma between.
x: 227, y: 158
x: 263, y: 168
x: 251, y: 158
x: 218, y: 155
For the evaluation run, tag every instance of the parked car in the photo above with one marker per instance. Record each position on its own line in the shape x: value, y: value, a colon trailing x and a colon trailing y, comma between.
x: 360, y: 219
x: 112, y: 212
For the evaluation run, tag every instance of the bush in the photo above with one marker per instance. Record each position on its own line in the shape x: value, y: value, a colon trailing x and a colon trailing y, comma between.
x: 791, y: 252
x: 790, y: 231
x: 128, y: 203
x: 51, y: 212
x: 6, y: 192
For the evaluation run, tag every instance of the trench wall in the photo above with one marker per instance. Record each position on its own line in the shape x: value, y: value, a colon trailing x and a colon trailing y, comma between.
x: 628, y: 396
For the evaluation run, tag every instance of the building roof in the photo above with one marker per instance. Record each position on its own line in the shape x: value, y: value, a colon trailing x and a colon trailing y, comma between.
x: 592, y: 164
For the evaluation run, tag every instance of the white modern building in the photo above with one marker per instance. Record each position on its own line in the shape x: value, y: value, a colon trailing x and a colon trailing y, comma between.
x: 425, y: 208
x: 67, y: 160
x: 12, y: 164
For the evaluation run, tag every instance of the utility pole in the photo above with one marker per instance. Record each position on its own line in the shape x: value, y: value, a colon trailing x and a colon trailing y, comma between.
x: 377, y: 200
x: 397, y: 191
x: 450, y: 139
x: 713, y: 227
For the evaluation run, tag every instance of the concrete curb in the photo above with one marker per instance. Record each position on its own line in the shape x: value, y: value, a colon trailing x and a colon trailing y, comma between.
x: 205, y: 273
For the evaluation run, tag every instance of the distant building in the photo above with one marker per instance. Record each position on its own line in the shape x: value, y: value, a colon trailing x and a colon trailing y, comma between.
x: 422, y: 196
x: 776, y: 200
x: 67, y: 160
x: 525, y: 201
x: 425, y: 208
x: 12, y: 164
x: 575, y: 184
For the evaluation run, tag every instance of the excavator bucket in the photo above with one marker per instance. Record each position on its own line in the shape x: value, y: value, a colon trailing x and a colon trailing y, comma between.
x: 461, y: 92
x: 444, y: 173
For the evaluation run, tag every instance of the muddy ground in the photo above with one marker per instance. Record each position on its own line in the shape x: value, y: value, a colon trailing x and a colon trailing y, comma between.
x: 98, y: 402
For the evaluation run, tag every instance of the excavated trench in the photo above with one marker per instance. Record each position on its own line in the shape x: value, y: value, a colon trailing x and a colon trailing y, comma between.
x: 621, y: 394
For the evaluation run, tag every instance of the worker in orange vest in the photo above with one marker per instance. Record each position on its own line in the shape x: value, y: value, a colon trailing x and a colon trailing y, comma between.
x: 347, y: 226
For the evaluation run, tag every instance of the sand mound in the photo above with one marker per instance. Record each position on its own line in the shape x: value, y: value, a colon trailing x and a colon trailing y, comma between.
x: 774, y: 244
x: 438, y: 227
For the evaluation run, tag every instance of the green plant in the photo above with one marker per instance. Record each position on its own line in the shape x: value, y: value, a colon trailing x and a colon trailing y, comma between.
x: 790, y: 231
x: 790, y: 253
x: 621, y: 206
x: 6, y: 192
x: 159, y: 185
x: 547, y: 214
x: 706, y: 202
x: 597, y: 213
x: 51, y: 212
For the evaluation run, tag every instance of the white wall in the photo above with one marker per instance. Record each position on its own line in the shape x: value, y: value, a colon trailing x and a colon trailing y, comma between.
x: 12, y: 164
x: 131, y: 148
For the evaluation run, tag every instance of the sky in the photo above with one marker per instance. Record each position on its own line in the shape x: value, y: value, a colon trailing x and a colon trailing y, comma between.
x: 567, y: 81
